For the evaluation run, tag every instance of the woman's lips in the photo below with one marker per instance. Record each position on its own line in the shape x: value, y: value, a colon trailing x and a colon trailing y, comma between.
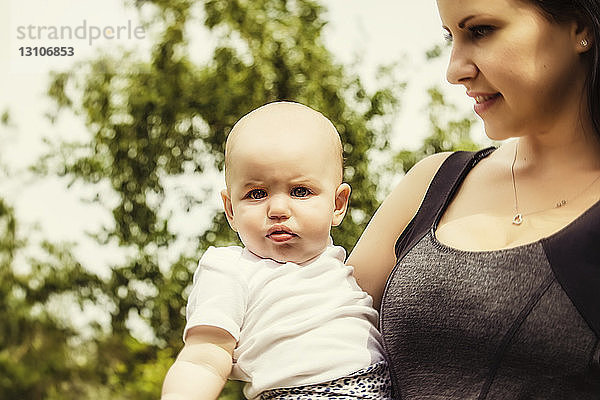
x: 484, y: 101
x: 482, y: 97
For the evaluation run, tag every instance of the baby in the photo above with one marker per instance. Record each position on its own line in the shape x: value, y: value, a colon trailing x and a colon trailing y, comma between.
x: 283, y: 313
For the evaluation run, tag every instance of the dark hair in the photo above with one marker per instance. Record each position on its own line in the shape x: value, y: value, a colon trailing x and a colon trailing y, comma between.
x: 587, y: 12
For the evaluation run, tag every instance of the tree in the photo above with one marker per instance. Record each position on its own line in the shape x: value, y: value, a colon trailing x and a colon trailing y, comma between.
x: 37, y: 346
x: 150, y: 120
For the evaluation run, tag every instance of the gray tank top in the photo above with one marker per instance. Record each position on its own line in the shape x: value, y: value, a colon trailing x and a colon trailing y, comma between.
x: 485, y: 325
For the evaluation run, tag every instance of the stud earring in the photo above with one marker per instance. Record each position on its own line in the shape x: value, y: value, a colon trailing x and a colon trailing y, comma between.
x: 584, y: 42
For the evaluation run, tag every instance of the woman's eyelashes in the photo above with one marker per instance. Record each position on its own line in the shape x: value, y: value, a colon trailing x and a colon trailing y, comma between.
x: 475, y: 32
x: 447, y: 36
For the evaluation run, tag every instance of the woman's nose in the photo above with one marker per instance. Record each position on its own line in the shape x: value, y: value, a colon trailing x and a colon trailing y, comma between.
x: 279, y: 207
x: 461, y: 67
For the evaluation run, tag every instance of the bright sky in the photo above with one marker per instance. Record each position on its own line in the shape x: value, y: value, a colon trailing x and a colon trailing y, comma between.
x: 376, y: 32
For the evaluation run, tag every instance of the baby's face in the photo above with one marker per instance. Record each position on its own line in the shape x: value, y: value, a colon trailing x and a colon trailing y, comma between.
x: 284, y: 191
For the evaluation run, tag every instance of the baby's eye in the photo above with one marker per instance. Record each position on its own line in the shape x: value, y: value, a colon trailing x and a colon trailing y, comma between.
x: 256, y: 194
x: 300, y: 191
x: 480, y: 31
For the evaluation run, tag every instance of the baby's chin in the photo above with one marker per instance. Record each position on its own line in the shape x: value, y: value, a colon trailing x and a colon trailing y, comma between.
x: 300, y: 259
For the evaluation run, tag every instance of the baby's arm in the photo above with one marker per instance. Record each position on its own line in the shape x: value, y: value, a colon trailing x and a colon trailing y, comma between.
x: 202, y: 367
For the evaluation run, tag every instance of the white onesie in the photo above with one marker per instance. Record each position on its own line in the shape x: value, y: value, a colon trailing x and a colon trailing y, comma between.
x: 294, y: 325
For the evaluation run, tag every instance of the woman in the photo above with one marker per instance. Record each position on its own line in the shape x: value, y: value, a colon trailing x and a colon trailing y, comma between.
x: 494, y: 294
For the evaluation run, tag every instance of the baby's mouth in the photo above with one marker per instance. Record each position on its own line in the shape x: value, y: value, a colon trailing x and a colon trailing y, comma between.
x: 280, y: 234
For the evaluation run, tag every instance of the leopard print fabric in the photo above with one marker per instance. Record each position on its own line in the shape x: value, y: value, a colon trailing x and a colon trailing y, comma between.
x: 370, y: 383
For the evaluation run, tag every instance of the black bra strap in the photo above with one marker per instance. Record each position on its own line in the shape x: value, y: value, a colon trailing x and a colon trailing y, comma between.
x: 443, y: 186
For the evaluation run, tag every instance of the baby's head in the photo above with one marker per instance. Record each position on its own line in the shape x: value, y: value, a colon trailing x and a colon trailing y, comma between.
x: 283, y: 171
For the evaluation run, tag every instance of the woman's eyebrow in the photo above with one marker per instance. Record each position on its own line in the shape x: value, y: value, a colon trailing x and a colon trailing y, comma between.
x: 464, y: 21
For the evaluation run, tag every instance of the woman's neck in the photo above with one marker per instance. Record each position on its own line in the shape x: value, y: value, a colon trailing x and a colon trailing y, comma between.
x: 560, y: 149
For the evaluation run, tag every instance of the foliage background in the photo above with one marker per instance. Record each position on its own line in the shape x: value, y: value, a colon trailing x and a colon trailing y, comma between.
x: 159, y: 119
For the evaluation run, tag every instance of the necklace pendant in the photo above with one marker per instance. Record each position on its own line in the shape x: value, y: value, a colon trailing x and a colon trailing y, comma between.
x: 518, y: 219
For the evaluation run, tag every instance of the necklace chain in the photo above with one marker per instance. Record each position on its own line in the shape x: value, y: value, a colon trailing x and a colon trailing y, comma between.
x: 518, y: 218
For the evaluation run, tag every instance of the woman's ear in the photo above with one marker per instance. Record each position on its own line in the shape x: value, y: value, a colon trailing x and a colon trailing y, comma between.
x: 342, y: 194
x: 228, y: 207
x: 583, y: 36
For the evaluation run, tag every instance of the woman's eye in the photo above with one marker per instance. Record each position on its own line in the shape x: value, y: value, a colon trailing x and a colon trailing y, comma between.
x: 256, y: 194
x: 480, y: 31
x: 300, y: 192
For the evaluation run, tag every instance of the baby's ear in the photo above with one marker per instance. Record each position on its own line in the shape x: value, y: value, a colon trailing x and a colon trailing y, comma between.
x: 342, y: 194
x: 228, y: 207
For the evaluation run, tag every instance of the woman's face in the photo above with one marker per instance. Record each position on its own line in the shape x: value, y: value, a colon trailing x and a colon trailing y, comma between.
x: 524, y: 72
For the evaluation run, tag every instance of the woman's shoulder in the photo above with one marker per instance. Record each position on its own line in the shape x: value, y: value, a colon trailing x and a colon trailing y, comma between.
x: 416, y: 181
x: 405, y: 198
x: 429, y: 165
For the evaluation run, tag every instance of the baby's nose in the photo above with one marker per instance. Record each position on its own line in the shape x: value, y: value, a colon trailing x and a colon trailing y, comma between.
x: 279, y: 207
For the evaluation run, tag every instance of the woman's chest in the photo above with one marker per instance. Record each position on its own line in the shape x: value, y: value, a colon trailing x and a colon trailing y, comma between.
x: 487, y: 231
x: 456, y: 321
